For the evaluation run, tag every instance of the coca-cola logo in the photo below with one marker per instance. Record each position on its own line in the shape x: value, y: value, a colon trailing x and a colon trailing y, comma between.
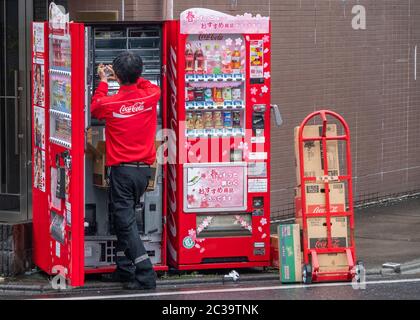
x: 323, y: 243
x: 211, y: 36
x: 322, y: 209
x: 137, y: 107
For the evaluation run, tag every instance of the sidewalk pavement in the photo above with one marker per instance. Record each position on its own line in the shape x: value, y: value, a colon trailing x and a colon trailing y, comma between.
x: 384, y: 233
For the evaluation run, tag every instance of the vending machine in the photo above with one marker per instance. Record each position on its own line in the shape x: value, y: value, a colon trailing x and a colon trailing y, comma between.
x: 218, y: 140
x: 72, y: 226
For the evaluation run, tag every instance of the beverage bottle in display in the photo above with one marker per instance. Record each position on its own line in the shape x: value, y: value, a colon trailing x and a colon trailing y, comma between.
x: 199, y: 120
x: 189, y: 59
x: 208, y: 95
x: 236, y: 60
x: 208, y: 120
x: 217, y: 119
x: 217, y: 57
x: 227, y: 94
x: 217, y: 95
x: 209, y: 62
x: 236, y: 119
x: 199, y: 59
x: 227, y: 62
x: 236, y: 94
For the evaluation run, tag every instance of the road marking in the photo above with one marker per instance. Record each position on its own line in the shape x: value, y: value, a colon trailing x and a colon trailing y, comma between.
x: 194, y: 292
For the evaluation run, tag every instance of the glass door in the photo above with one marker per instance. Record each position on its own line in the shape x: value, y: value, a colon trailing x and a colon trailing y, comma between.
x: 14, y: 125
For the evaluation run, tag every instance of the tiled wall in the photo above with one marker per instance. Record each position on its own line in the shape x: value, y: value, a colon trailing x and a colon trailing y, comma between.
x: 319, y: 61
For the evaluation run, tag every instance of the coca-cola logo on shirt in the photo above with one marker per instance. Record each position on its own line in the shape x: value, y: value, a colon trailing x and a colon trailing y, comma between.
x: 130, y: 110
x: 138, y: 106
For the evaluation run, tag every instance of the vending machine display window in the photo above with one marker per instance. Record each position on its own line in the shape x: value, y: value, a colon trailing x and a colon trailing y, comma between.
x: 215, y: 85
x: 224, y: 225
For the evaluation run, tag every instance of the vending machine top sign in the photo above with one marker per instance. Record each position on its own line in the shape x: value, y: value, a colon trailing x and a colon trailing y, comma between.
x: 206, y: 21
x: 58, y: 20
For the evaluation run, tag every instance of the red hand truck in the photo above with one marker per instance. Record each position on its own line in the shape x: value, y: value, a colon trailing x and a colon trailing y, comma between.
x: 311, y: 269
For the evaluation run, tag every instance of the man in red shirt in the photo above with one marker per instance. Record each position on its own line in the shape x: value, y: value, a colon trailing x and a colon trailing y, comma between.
x: 130, y: 128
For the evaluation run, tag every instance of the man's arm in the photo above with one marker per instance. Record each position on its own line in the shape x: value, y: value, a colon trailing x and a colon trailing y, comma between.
x: 96, y: 108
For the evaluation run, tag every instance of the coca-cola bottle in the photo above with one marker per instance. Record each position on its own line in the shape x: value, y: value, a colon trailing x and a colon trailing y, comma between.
x: 227, y: 61
x: 189, y: 59
x: 199, y: 59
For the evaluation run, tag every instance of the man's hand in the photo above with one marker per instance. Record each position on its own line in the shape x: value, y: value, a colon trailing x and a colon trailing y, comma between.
x: 101, y: 73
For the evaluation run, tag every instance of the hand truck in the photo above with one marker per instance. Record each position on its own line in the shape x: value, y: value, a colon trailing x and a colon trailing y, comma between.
x: 311, y: 269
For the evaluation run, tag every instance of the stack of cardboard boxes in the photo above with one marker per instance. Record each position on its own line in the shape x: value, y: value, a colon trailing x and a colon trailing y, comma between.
x: 315, y: 193
x: 289, y: 243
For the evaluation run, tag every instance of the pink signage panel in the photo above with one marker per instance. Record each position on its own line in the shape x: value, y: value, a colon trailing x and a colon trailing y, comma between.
x: 215, y: 187
x: 206, y: 21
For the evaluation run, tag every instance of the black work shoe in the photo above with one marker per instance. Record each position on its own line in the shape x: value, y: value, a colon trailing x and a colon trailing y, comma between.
x: 135, y: 285
x: 115, y: 277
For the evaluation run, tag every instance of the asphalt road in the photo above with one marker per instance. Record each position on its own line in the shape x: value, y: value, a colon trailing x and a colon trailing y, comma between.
x: 392, y: 288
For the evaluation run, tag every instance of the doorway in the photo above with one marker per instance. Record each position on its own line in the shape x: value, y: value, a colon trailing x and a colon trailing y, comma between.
x: 15, y: 115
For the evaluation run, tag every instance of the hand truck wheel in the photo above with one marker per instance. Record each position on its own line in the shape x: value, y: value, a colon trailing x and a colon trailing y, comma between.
x: 307, y: 274
x: 359, y: 271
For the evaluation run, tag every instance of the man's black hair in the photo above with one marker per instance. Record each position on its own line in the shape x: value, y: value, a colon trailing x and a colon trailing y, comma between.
x: 128, y: 67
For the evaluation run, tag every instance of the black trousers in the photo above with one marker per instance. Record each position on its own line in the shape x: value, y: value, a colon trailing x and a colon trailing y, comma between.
x: 127, y: 185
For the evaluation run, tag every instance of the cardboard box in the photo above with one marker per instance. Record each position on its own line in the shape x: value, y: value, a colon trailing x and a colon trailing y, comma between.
x: 99, y: 169
x: 290, y: 256
x: 316, y: 198
x: 316, y: 232
x: 274, y: 251
x: 332, y: 262
x: 313, y: 152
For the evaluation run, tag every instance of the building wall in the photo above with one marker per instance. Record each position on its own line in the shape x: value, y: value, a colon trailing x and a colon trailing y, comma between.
x: 319, y: 61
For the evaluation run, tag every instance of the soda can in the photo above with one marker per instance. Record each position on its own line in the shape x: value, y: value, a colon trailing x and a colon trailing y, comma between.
x: 227, y: 94
x: 208, y: 120
x: 190, y: 94
x: 190, y: 119
x: 217, y: 120
x: 227, y: 119
x: 199, y: 95
x: 198, y: 120
x: 236, y: 94
x: 208, y: 95
x: 236, y: 119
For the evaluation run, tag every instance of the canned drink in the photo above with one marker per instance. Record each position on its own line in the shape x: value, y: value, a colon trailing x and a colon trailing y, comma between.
x: 199, y: 95
x: 190, y: 119
x: 198, y: 120
x: 227, y: 119
x: 236, y: 94
x: 236, y: 119
x: 227, y: 94
x: 208, y: 95
x: 189, y: 94
x: 217, y: 120
x: 217, y: 95
x: 208, y: 120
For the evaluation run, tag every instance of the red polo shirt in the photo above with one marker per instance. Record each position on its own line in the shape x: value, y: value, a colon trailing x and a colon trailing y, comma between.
x: 130, y: 121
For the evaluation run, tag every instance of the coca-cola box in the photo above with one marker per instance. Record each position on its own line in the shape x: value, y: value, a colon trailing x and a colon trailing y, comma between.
x: 313, y: 158
x: 316, y: 198
x: 316, y: 232
x: 332, y: 262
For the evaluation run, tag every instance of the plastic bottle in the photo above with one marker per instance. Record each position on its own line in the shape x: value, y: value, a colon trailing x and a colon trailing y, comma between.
x: 217, y: 57
x: 189, y: 59
x: 199, y: 59
x: 236, y: 60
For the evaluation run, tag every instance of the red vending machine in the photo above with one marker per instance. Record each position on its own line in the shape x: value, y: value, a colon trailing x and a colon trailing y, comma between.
x: 218, y: 140
x: 72, y: 227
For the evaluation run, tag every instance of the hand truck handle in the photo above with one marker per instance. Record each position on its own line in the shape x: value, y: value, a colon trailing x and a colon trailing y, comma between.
x: 277, y: 114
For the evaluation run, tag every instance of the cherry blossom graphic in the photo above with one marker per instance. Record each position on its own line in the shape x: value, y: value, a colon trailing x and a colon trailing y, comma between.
x: 190, y: 199
x: 192, y: 234
x: 263, y: 221
x: 238, y: 41
x: 254, y: 100
x: 267, y: 75
x: 224, y: 153
x: 264, y: 89
x: 263, y: 236
x: 242, y: 222
x: 197, y: 246
x: 202, y: 250
x: 203, y: 176
x: 245, y: 149
x: 254, y: 91
x: 229, y: 41
x: 204, y: 204
x: 266, y: 38
x: 266, y: 50
x: 190, y: 153
x: 247, y: 38
x: 259, y: 229
x: 265, y: 65
x: 199, y: 157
